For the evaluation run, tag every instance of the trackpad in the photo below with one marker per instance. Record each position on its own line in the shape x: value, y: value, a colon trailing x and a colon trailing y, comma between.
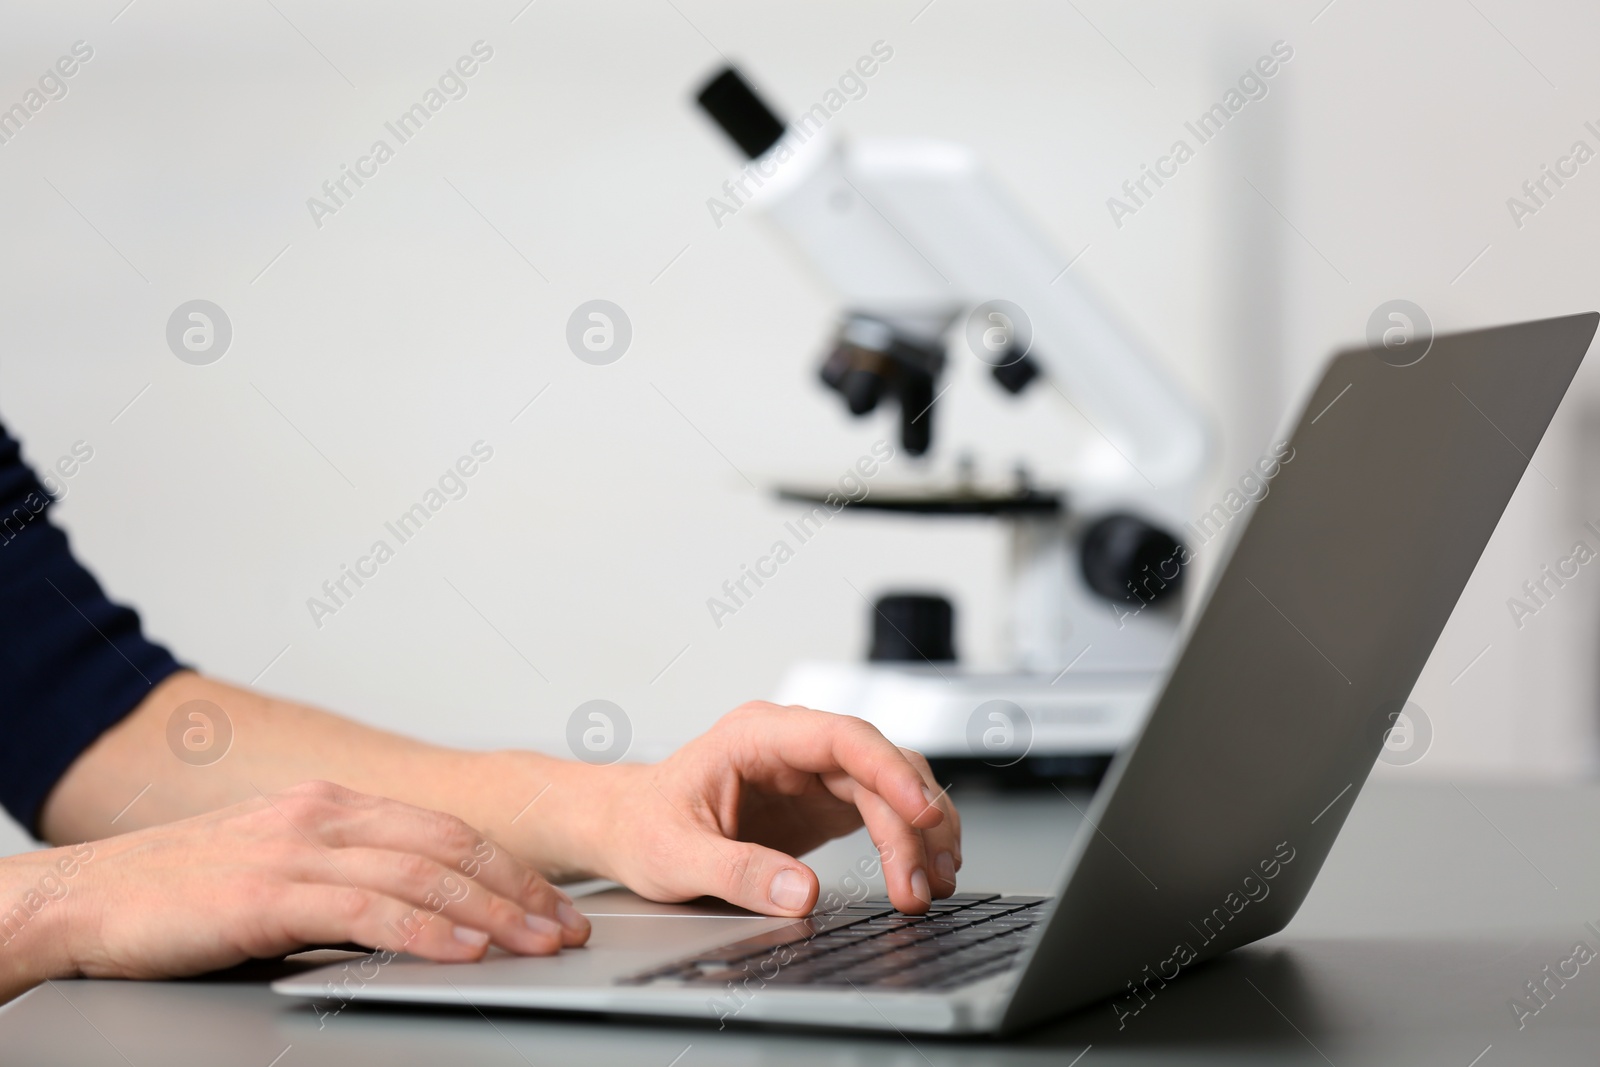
x: 630, y: 935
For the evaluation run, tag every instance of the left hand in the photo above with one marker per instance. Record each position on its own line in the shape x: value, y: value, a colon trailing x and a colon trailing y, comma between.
x: 727, y: 814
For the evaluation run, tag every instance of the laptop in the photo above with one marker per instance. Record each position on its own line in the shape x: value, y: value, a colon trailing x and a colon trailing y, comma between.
x: 1208, y: 830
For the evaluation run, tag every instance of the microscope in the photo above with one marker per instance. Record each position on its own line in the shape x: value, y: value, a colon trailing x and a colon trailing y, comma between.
x: 930, y: 262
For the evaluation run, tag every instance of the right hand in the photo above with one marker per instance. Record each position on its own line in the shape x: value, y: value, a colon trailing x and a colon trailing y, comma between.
x: 316, y: 864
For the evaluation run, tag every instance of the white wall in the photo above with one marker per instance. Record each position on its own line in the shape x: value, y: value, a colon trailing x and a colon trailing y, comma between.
x: 415, y: 322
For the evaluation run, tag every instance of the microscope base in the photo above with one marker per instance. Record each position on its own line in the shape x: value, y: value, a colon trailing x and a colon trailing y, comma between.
x: 997, y: 719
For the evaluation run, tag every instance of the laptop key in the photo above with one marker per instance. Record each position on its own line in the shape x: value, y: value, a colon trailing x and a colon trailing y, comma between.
x: 912, y: 957
x: 854, y: 977
x: 835, y: 942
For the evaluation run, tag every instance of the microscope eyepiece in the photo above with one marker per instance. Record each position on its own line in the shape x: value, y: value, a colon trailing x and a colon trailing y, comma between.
x: 743, y: 116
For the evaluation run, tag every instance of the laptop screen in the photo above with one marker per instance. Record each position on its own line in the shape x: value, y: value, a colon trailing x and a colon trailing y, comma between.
x: 1212, y: 826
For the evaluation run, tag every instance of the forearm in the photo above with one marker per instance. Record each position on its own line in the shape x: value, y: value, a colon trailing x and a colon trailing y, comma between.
x: 278, y: 743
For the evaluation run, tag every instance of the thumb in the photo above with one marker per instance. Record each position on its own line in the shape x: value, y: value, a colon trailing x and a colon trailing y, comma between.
x: 759, y: 878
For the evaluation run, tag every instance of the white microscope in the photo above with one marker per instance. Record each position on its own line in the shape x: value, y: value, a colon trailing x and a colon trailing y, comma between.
x: 926, y: 254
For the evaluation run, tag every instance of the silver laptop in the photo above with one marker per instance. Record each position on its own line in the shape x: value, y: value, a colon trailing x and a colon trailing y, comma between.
x: 1208, y: 831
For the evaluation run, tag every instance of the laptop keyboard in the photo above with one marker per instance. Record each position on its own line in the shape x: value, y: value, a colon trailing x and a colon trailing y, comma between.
x: 870, y: 945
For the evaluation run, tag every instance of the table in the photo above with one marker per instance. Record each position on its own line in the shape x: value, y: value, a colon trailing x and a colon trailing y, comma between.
x: 1438, y: 903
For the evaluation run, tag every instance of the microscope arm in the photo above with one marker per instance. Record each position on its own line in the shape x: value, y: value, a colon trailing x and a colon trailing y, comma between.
x: 938, y: 197
x: 913, y: 232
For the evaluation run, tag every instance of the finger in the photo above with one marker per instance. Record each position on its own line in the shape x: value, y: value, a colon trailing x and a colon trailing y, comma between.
x: 752, y: 876
x: 819, y: 742
x: 942, y: 842
x: 313, y: 914
x: 424, y: 883
x: 902, y: 852
x: 341, y: 819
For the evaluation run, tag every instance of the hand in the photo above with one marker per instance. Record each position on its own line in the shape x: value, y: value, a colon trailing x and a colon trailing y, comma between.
x: 314, y: 864
x: 727, y: 814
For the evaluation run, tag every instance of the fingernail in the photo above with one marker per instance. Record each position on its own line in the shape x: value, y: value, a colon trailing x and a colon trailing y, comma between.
x: 541, y: 925
x: 788, y: 889
x: 931, y: 794
x: 571, y: 918
x: 475, y: 938
x: 919, y: 886
x: 944, y: 865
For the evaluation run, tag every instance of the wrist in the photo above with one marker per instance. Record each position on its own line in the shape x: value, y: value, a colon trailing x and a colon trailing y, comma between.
x: 561, y: 815
x: 591, y: 816
x: 532, y: 810
x: 36, y: 902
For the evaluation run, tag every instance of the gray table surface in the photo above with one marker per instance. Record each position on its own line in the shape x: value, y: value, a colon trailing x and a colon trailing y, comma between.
x: 1436, y: 906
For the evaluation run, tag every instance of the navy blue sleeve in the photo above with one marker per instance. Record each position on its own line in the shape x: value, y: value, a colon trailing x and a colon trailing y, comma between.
x: 72, y: 663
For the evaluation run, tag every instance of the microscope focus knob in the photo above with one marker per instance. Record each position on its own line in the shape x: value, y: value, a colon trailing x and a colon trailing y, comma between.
x: 1126, y: 558
x: 913, y: 628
